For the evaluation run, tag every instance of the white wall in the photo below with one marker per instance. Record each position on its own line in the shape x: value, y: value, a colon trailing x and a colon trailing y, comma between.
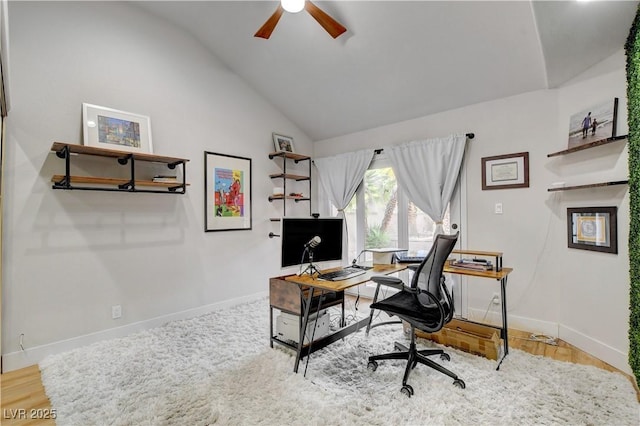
x: 578, y: 295
x: 70, y: 255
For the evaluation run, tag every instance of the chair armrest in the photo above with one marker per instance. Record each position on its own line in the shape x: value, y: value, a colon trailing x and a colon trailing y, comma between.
x: 388, y: 281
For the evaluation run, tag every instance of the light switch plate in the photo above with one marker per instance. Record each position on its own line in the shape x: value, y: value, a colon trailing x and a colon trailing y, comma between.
x: 498, y: 208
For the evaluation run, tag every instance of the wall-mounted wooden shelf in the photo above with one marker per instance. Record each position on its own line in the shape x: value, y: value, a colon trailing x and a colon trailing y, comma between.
x: 89, y: 180
x: 588, y: 145
x: 288, y: 197
x: 289, y: 155
x: 129, y: 184
x: 590, y: 185
x: 289, y: 176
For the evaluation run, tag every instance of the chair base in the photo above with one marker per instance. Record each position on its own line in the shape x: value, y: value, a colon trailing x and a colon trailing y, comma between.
x: 413, y: 357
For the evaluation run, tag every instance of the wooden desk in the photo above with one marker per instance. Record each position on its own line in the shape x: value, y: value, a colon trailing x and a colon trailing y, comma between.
x: 304, y: 295
x: 501, y: 276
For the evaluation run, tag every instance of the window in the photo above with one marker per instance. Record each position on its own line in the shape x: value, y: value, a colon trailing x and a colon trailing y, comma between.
x: 380, y: 215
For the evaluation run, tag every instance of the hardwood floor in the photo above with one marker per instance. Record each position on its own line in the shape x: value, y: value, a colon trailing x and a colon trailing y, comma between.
x: 23, y: 398
x: 24, y: 401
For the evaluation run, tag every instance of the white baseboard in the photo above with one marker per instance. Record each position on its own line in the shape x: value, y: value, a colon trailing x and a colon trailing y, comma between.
x: 30, y: 356
x: 593, y: 347
x: 596, y: 348
x: 534, y: 326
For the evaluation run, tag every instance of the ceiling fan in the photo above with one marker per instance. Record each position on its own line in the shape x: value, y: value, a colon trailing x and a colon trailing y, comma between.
x: 333, y: 27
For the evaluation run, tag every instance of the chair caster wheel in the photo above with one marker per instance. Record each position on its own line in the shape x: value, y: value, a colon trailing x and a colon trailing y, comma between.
x: 459, y: 384
x: 372, y: 365
x: 407, y: 390
x: 445, y: 357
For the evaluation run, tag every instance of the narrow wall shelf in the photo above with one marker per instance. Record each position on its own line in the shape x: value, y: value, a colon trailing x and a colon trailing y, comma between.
x: 288, y: 197
x: 588, y: 145
x: 290, y: 177
x: 289, y: 155
x: 75, y: 180
x: 591, y: 185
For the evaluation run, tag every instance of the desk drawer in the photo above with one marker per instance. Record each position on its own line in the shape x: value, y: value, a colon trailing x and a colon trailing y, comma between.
x: 290, y: 297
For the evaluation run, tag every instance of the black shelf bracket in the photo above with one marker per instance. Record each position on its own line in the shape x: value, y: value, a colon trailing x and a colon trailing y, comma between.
x: 124, y: 160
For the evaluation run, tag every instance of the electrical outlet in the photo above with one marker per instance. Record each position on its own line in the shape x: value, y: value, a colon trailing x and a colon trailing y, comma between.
x: 496, y: 298
x: 116, y: 311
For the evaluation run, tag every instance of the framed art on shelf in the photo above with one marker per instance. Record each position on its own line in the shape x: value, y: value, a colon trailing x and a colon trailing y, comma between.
x: 227, y: 192
x: 506, y: 171
x: 592, y: 124
x: 283, y: 143
x: 593, y: 228
x: 113, y: 129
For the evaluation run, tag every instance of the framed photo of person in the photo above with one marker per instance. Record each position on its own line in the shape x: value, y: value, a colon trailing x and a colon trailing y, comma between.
x: 283, y: 143
x: 593, y: 124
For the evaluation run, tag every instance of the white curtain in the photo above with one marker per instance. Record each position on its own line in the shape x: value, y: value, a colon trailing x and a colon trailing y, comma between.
x: 340, y: 176
x: 427, y: 171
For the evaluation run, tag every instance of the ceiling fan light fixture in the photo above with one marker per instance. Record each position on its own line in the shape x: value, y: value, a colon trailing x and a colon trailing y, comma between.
x: 292, y: 6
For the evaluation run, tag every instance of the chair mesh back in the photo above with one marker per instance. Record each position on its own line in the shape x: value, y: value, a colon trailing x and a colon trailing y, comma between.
x: 428, y: 275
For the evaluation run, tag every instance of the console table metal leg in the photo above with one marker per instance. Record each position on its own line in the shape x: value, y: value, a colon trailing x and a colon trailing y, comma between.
x: 505, y: 328
x: 303, y: 328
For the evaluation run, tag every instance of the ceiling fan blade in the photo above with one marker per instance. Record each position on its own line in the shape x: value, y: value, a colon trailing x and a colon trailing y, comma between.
x: 267, y: 28
x: 332, y: 26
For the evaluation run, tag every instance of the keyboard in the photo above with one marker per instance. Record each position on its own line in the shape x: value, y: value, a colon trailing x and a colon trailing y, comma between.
x: 403, y: 258
x: 341, y: 274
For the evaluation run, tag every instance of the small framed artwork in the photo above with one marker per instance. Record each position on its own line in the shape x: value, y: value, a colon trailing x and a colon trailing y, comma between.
x: 227, y: 192
x: 112, y: 129
x: 506, y: 171
x: 283, y: 143
x: 593, y: 228
x: 593, y: 124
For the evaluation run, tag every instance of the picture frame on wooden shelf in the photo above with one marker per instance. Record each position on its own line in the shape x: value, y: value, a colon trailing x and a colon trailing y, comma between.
x: 283, y: 143
x: 593, y: 124
x: 114, y: 129
x: 593, y: 228
x: 505, y: 171
x: 227, y: 192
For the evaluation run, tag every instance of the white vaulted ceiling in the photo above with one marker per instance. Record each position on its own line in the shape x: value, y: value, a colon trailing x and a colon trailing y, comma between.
x: 401, y: 60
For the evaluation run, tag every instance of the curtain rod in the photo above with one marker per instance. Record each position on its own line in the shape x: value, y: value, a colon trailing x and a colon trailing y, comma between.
x: 468, y: 135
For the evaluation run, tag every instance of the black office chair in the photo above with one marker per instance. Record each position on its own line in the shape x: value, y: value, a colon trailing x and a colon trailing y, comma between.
x: 426, y: 305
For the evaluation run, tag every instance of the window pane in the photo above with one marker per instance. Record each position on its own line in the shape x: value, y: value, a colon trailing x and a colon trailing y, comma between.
x: 381, y: 212
x: 421, y: 229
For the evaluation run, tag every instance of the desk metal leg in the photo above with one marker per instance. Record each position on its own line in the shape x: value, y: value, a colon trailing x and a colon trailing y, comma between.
x: 505, y: 328
x: 313, y: 332
x: 271, y: 326
x: 375, y: 299
x: 303, y: 329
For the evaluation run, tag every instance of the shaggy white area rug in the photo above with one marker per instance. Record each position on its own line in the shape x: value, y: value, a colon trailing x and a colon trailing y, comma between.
x: 219, y: 369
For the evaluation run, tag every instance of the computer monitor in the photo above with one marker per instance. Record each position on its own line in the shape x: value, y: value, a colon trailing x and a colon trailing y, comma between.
x: 296, y: 232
